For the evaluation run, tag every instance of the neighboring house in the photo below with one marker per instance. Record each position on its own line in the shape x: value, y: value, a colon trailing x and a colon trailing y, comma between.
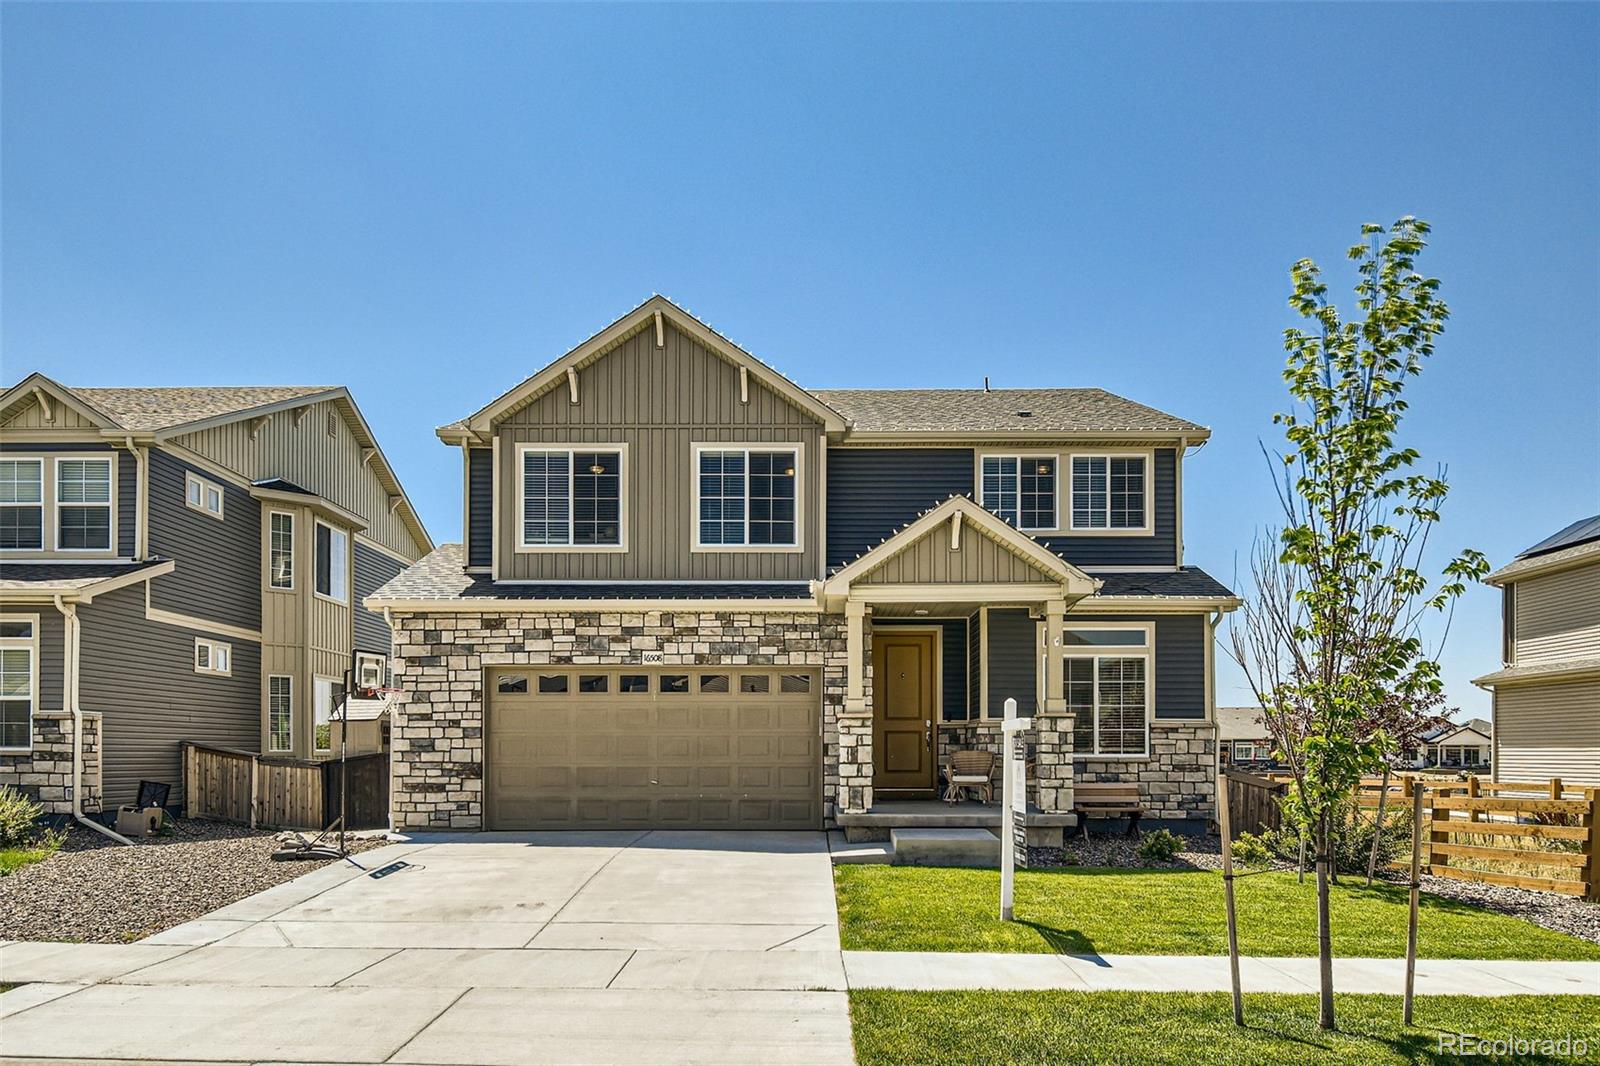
x: 1547, y: 695
x: 693, y: 593
x: 1457, y: 746
x: 1243, y: 739
x: 185, y: 564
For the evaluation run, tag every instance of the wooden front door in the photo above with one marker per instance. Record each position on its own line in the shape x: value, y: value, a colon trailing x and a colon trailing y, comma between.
x: 903, y: 706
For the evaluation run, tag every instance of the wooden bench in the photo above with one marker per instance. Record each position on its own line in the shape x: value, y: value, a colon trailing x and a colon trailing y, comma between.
x: 1107, y: 799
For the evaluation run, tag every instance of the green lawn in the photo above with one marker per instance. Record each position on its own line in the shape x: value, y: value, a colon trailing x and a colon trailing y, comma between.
x: 16, y: 858
x: 1164, y: 912
x: 1189, y: 1029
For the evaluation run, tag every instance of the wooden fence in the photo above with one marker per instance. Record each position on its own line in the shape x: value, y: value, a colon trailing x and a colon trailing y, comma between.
x: 1542, y: 835
x: 278, y: 792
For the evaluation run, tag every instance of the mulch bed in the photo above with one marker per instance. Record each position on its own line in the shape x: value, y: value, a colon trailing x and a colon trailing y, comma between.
x: 95, y: 890
x: 1562, y: 914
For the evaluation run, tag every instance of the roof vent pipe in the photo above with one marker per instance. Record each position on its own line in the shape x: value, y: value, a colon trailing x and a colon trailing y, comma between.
x: 986, y: 383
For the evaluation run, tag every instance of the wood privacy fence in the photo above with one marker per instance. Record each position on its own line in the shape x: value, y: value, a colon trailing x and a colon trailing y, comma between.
x: 1542, y: 835
x: 279, y: 792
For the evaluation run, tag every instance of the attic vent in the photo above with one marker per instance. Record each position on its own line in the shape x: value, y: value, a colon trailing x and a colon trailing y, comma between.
x: 333, y: 423
x: 1024, y: 414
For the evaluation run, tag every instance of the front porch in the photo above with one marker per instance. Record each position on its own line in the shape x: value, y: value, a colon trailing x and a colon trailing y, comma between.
x: 1045, y: 828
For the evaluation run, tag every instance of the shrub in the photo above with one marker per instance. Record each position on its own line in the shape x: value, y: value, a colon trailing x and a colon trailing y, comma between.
x: 1353, y: 830
x: 18, y: 814
x: 1251, y: 850
x: 1158, y: 846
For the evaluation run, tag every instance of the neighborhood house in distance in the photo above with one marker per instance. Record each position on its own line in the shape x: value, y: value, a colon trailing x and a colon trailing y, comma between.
x: 693, y: 593
x: 185, y: 564
x: 1547, y: 693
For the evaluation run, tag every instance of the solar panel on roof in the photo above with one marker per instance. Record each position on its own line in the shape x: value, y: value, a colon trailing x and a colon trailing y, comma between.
x: 1580, y: 532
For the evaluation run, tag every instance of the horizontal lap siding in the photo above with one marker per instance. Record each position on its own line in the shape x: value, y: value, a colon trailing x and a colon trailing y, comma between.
x: 1158, y: 549
x: 874, y: 491
x: 373, y: 568
x: 1013, y: 660
x: 480, y: 506
x: 51, y: 628
x: 1548, y: 730
x: 218, y: 573
x: 140, y: 676
x: 127, y: 471
x: 954, y: 662
x: 1180, y: 666
x: 659, y: 402
x: 1557, y: 616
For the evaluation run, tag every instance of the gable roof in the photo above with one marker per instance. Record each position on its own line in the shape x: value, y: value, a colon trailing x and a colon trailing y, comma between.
x: 161, y: 413
x: 1451, y: 729
x: 1003, y: 411
x: 652, y: 313
x: 987, y: 523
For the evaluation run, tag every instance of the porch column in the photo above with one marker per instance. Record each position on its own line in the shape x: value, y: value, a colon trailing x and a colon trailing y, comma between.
x: 1055, y: 697
x: 1053, y: 729
x: 855, y: 721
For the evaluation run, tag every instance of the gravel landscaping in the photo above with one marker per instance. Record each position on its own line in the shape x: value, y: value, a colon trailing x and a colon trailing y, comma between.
x: 1558, y: 913
x: 95, y: 890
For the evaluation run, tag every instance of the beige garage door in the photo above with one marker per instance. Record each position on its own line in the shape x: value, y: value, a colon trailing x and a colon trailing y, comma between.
x: 604, y: 748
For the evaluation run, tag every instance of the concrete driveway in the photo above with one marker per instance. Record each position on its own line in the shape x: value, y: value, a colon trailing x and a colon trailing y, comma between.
x: 640, y: 948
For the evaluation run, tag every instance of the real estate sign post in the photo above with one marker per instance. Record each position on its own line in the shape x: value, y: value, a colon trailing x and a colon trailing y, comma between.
x: 1013, y: 802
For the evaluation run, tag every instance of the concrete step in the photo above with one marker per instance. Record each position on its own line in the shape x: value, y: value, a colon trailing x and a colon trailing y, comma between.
x: 945, y: 847
x: 872, y: 852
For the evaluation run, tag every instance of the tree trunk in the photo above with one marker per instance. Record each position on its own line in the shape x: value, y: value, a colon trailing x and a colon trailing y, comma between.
x: 1324, y: 928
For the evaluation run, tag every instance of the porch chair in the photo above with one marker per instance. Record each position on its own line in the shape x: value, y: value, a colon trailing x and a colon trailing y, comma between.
x: 970, y: 769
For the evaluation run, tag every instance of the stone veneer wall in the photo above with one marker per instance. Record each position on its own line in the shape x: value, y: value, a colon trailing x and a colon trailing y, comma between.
x: 1180, y: 778
x: 436, y: 758
x: 1049, y: 749
x: 44, y: 774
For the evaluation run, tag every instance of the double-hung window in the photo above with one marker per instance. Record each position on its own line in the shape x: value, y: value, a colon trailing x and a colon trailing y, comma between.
x: 747, y: 497
x: 83, y: 504
x: 22, y: 504
x: 1107, y: 678
x: 333, y: 563
x: 1109, y: 492
x: 1021, y: 489
x: 280, y: 712
x: 280, y: 550
x: 571, y: 498
x: 19, y: 680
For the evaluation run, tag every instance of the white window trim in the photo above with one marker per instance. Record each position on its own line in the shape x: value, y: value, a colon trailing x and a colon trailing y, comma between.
x: 1248, y: 745
x: 45, y: 492
x: 212, y: 647
x: 363, y: 657
x: 333, y: 706
x: 349, y: 560
x: 1147, y: 529
x: 746, y: 447
x: 191, y: 478
x: 30, y: 644
x: 290, y: 679
x: 294, y: 563
x: 1112, y: 651
x: 1055, y: 486
x: 111, y: 505
x: 620, y: 448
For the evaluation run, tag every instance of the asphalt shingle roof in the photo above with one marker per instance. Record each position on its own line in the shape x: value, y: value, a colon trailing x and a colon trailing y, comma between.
x: 65, y: 577
x: 1188, y: 581
x: 984, y: 411
x: 152, y: 409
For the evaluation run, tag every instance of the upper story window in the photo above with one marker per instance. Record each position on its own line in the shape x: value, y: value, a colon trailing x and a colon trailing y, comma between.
x: 571, y: 498
x: 1108, y: 492
x: 83, y: 504
x: 1021, y: 489
x: 202, y: 495
x: 19, y: 680
x: 22, y: 504
x: 212, y: 657
x: 1106, y: 673
x: 746, y: 497
x: 333, y: 563
x: 280, y: 550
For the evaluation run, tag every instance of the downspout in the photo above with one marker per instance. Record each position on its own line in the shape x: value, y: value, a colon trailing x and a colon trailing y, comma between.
x: 141, y: 532
x: 69, y: 695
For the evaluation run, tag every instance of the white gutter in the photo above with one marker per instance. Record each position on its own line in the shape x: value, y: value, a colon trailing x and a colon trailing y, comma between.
x: 139, y: 529
x: 69, y: 694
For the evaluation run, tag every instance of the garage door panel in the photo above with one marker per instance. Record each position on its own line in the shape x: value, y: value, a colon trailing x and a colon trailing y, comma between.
x: 707, y: 758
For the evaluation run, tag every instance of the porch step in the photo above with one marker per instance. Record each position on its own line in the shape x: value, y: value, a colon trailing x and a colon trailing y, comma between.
x: 945, y: 847
x: 872, y: 852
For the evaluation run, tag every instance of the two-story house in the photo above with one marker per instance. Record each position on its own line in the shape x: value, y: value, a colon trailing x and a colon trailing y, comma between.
x: 184, y: 564
x: 692, y: 593
x: 1547, y: 691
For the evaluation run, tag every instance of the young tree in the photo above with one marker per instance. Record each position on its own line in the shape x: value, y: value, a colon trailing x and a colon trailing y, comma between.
x: 1331, y: 640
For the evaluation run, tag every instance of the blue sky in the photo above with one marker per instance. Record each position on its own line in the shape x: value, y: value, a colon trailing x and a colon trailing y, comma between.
x: 428, y: 202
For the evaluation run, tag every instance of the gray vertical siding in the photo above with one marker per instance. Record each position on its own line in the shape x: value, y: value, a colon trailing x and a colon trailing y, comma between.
x: 480, y: 507
x: 140, y: 676
x: 1180, y: 667
x: 373, y: 568
x: 1159, y: 549
x: 1013, y: 660
x: 953, y: 659
x: 874, y: 491
x: 127, y: 486
x: 218, y: 576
